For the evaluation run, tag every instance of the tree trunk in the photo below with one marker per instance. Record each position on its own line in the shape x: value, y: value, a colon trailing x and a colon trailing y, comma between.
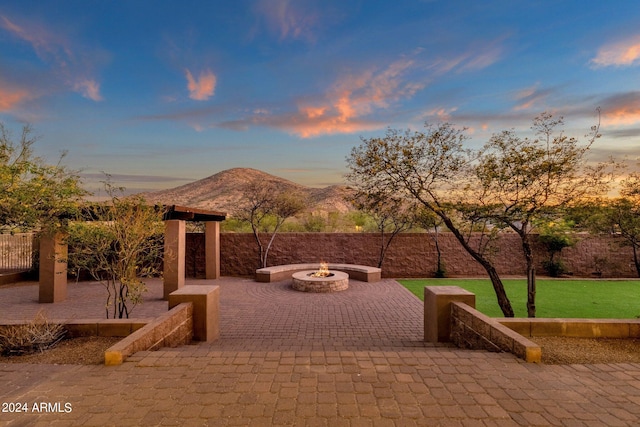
x: 266, y: 251
x: 636, y: 261
x: 439, y: 271
x: 498, y: 286
x: 381, y: 255
x: 531, y: 275
x: 531, y: 292
x: 260, y: 249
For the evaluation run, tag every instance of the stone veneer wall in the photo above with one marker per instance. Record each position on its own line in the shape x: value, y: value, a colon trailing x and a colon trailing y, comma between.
x: 410, y: 254
x: 471, y: 329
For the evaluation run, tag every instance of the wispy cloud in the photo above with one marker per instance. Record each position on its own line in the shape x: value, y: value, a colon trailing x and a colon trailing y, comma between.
x: 531, y: 97
x: 621, y: 53
x: 358, y: 101
x: 11, y: 97
x: 346, y: 108
x: 69, y: 63
x: 134, y: 178
x: 202, y: 88
x: 621, y: 109
x: 89, y: 89
x: 288, y: 19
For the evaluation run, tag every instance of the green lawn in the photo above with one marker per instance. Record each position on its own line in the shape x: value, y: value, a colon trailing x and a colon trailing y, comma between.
x: 617, y: 299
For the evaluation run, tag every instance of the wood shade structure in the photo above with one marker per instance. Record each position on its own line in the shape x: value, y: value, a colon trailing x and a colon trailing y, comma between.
x: 175, y: 218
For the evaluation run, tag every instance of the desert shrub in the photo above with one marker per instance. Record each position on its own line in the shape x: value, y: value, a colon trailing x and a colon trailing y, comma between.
x: 37, y: 335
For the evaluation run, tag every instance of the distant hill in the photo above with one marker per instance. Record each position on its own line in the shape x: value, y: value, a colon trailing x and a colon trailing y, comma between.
x: 223, y: 191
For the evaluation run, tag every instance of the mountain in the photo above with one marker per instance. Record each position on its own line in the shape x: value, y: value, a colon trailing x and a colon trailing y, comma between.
x: 223, y: 191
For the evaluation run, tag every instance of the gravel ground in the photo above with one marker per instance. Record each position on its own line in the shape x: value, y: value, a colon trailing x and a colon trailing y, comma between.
x: 563, y: 350
x: 556, y: 351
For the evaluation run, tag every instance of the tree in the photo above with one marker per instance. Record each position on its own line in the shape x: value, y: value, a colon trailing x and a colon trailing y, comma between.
x: 392, y: 214
x: 522, y: 181
x: 621, y: 216
x: 555, y: 236
x: 431, y: 169
x: 430, y: 221
x: 121, y: 245
x: 34, y: 194
x: 266, y: 207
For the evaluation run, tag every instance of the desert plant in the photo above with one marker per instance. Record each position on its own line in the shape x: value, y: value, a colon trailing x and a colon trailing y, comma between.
x: 120, y: 246
x: 37, y: 335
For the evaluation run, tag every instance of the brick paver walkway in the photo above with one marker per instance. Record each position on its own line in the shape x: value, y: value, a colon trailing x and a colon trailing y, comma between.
x: 285, y: 358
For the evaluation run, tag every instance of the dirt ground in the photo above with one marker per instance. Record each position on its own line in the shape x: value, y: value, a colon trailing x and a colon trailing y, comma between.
x: 76, y: 351
x: 90, y: 351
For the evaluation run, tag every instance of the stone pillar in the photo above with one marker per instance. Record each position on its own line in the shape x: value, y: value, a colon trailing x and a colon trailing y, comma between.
x: 174, y: 252
x: 212, y: 249
x: 53, y: 268
x: 437, y: 310
x: 206, y: 309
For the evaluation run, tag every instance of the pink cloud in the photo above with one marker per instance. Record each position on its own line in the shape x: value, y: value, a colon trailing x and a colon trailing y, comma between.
x: 203, y: 88
x: 624, y: 115
x: 442, y: 114
x: 531, y: 97
x: 45, y: 43
x: 621, y: 110
x: 10, y: 98
x: 348, y: 103
x: 622, y: 53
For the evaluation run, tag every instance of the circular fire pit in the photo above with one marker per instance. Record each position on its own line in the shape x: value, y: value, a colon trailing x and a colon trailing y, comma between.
x: 305, y: 281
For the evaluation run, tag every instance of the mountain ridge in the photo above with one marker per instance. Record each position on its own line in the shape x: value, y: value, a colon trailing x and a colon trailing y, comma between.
x: 222, y: 191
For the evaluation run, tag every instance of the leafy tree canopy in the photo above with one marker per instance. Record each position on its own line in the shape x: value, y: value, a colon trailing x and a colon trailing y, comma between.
x: 34, y: 194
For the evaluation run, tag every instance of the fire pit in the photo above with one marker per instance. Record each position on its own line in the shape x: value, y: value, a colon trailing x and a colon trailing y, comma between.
x: 321, y: 280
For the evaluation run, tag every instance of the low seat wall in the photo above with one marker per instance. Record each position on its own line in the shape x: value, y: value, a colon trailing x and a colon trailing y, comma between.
x: 277, y: 273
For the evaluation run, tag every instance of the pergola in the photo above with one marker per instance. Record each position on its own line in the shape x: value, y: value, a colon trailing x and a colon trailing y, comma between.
x: 175, y: 218
x: 53, y: 252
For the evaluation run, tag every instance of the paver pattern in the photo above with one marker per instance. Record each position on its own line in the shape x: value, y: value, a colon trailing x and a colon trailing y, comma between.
x: 353, y: 358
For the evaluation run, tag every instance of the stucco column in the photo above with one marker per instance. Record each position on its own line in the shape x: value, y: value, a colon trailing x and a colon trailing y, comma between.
x: 174, y: 252
x: 53, y: 268
x: 212, y: 249
x: 437, y: 310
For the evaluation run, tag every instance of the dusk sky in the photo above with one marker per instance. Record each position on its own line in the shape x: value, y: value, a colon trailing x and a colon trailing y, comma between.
x: 162, y: 93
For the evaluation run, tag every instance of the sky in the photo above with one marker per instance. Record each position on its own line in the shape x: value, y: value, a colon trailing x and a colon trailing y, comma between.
x: 162, y: 93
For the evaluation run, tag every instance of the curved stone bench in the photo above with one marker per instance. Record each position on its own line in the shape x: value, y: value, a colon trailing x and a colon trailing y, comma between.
x: 276, y: 273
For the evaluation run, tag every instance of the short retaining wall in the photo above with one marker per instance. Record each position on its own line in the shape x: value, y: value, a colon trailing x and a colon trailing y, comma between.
x: 449, y: 315
x: 103, y: 328
x: 575, y: 328
x: 13, y: 277
x: 172, y: 329
x: 474, y: 330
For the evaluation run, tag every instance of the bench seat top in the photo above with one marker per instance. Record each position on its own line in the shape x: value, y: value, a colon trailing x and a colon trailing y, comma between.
x: 315, y: 266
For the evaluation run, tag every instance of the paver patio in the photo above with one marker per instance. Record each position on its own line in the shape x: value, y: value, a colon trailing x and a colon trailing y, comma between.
x: 354, y: 358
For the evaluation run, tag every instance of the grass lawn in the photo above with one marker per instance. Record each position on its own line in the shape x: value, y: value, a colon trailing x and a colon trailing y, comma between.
x: 597, y: 299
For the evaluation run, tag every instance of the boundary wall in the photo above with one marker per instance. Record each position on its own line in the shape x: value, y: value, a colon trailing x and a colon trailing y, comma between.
x: 410, y: 254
